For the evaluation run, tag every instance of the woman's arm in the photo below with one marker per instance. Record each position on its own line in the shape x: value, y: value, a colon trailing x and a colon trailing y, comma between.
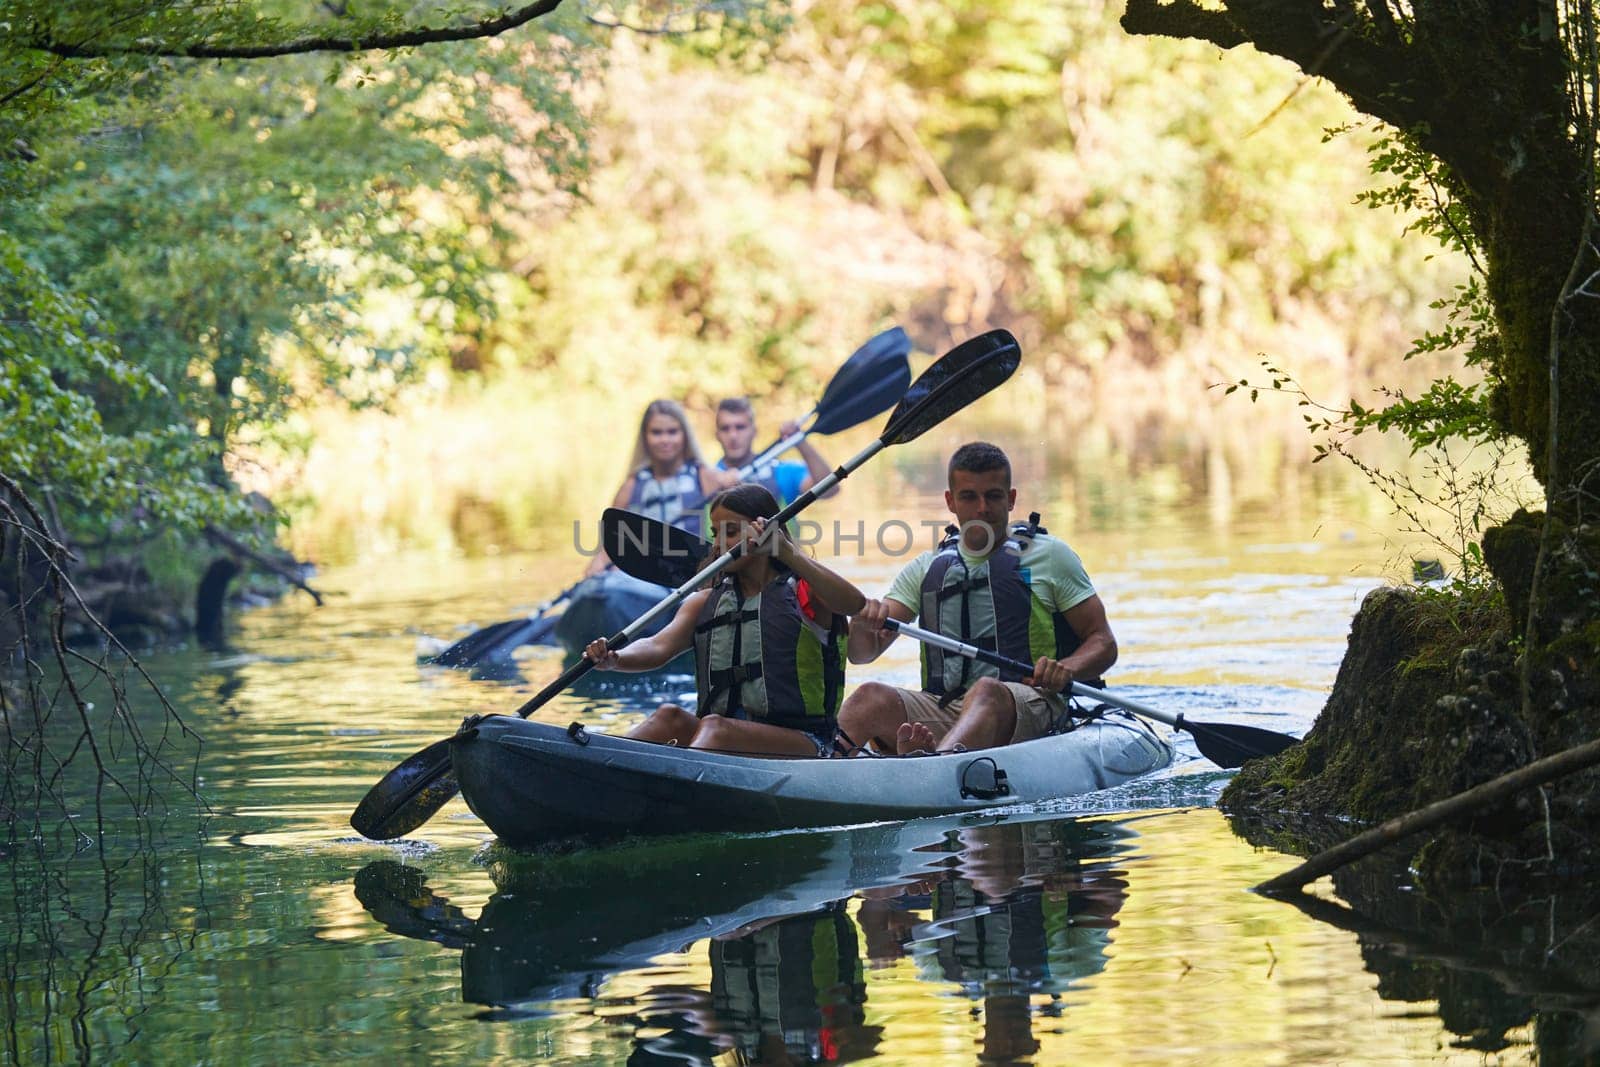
x: 648, y: 653
x: 835, y: 594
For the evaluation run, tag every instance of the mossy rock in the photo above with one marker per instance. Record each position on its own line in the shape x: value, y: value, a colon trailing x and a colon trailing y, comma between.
x: 1428, y: 702
x: 1366, y: 753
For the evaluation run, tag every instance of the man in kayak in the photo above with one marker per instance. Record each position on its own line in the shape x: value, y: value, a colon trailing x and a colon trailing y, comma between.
x: 785, y: 480
x: 1008, y: 587
x: 769, y: 669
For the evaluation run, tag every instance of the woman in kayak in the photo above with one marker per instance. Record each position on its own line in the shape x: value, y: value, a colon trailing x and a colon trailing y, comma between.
x: 767, y: 640
x: 669, y: 478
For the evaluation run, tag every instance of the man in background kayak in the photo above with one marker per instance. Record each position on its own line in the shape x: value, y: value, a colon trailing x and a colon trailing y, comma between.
x: 1008, y: 587
x: 785, y: 480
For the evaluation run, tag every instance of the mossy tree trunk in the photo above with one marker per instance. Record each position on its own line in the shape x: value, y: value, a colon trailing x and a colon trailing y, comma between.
x: 1488, y: 89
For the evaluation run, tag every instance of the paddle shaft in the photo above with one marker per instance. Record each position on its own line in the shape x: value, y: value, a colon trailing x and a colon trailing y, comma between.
x: 768, y: 457
x: 1225, y: 744
x: 709, y: 571
x: 553, y: 601
x: 961, y: 648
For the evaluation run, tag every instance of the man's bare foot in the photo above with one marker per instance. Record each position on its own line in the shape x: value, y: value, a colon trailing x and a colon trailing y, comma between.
x: 913, y: 738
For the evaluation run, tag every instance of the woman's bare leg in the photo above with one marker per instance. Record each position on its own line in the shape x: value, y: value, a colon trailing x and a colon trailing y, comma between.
x: 669, y: 724
x: 718, y: 733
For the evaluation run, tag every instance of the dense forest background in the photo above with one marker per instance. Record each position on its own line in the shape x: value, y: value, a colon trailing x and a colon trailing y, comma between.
x: 376, y: 286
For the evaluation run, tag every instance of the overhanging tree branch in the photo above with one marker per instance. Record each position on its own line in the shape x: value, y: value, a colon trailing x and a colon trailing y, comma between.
x: 1182, y: 18
x: 375, y: 41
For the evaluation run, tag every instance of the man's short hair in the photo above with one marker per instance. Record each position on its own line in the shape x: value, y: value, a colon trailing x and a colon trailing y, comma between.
x: 979, y: 457
x: 736, y: 405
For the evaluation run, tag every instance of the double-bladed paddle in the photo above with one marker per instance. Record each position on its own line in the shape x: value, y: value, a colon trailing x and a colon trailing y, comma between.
x: 656, y: 552
x: 419, y: 786
x: 1225, y: 744
x: 869, y: 383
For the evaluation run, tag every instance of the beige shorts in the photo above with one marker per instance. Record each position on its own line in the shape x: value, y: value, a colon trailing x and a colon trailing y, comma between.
x: 1036, y: 711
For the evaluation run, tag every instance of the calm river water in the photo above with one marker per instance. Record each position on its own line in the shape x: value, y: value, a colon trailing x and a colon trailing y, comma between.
x: 1115, y: 929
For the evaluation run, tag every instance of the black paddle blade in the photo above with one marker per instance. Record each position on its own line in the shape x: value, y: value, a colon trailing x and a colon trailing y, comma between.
x: 960, y: 376
x: 650, y: 550
x: 871, y: 382
x: 407, y: 796
x: 486, y: 643
x: 1231, y: 745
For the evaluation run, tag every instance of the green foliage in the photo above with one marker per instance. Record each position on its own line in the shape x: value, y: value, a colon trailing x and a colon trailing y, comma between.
x: 255, y: 237
x: 55, y: 359
x: 274, y: 235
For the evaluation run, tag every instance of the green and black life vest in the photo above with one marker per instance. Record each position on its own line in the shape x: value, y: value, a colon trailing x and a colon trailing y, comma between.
x: 761, y: 658
x: 990, y: 604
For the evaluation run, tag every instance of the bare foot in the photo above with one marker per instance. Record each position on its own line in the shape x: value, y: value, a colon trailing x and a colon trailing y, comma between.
x: 913, y: 738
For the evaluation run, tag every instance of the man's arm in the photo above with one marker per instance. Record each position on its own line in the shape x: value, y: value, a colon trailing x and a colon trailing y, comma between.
x: 1097, y: 648
x: 868, y: 638
x: 816, y: 467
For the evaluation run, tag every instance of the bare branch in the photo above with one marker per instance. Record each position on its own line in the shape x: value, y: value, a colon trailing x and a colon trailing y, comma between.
x: 233, y: 544
x: 1318, y: 39
x: 1461, y: 804
x: 408, y: 38
x: 665, y: 29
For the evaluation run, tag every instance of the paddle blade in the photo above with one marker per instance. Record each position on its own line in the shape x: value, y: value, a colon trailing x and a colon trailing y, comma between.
x: 650, y: 550
x: 468, y: 650
x: 407, y: 796
x: 496, y: 641
x: 1231, y: 745
x: 963, y: 374
x: 871, y: 382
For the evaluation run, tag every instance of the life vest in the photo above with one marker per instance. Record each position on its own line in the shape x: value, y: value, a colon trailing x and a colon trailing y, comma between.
x: 675, y: 500
x: 989, y: 604
x: 768, y: 480
x: 762, y: 658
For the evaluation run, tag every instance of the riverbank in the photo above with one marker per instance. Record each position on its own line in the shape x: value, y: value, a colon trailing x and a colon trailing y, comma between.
x: 1431, y: 700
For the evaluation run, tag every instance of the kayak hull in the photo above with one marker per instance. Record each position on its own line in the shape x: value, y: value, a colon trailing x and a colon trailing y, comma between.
x: 531, y: 782
x: 603, y: 605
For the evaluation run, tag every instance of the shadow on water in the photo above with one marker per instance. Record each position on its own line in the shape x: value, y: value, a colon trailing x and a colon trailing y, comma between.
x: 1488, y: 962
x: 1001, y: 909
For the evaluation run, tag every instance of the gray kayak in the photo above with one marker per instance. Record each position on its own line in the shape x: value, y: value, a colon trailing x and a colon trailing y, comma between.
x: 602, y: 605
x: 531, y: 782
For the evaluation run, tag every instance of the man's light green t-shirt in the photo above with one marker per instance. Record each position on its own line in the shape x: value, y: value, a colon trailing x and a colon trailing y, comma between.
x: 1052, y: 570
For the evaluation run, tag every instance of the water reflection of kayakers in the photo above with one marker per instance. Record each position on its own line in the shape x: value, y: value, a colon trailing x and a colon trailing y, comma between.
x: 769, y: 665
x: 1019, y: 915
x: 669, y: 478
x: 792, y: 991
x: 1010, y: 588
